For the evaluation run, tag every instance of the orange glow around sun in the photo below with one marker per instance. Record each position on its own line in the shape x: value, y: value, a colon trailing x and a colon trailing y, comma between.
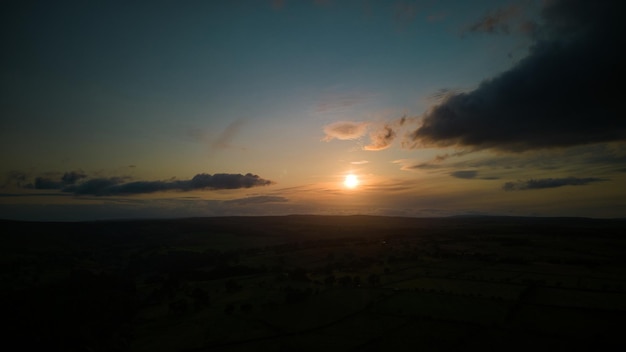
x: 351, y: 181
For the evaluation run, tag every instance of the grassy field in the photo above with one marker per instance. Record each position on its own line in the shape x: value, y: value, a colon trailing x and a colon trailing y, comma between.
x: 307, y: 283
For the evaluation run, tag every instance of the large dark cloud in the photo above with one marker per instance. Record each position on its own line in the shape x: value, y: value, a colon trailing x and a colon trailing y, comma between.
x: 52, y: 180
x: 542, y: 183
x: 78, y: 183
x: 565, y: 92
x: 42, y: 182
x: 115, y: 186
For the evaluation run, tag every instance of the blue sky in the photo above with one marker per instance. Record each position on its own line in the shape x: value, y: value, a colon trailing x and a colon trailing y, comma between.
x: 438, y: 107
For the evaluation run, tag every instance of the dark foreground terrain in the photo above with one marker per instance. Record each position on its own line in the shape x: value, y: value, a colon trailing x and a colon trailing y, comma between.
x: 311, y: 283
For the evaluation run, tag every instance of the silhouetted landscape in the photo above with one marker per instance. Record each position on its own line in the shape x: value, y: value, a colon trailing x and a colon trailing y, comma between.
x: 310, y: 283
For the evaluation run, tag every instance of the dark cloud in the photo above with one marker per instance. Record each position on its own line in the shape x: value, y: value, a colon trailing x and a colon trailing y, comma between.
x: 116, y: 185
x: 601, y: 160
x: 47, y: 183
x: 78, y: 183
x: 542, y: 183
x: 69, y: 178
x: 12, y: 195
x: 14, y: 179
x: 562, y: 94
x: 55, y: 181
x: 227, y: 181
x: 96, y: 186
x: 465, y: 174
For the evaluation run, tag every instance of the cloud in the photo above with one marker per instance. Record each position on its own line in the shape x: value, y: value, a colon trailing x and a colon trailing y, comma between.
x: 116, y: 186
x: 360, y: 162
x: 464, y: 174
x: 227, y: 181
x: 78, y: 183
x: 442, y: 157
x: 12, y: 195
x: 434, y: 163
x: 381, y: 139
x: 344, y: 130
x: 442, y: 94
x: 14, y: 179
x: 69, y: 178
x: 542, y: 183
x: 562, y: 94
x: 52, y: 180
x: 257, y: 200
x: 96, y: 186
x: 47, y: 183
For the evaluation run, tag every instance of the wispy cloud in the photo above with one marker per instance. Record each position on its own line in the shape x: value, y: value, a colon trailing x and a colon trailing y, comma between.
x: 344, y: 130
x: 464, y: 174
x: 497, y: 21
x: 381, y: 139
x: 257, y: 200
x: 381, y: 135
x: 543, y: 183
x: 224, y: 140
x: 333, y: 102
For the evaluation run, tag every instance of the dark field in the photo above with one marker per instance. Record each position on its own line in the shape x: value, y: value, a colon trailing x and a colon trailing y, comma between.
x: 311, y: 283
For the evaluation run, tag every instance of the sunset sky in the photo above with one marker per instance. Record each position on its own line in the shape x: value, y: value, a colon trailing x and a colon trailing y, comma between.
x: 204, y: 108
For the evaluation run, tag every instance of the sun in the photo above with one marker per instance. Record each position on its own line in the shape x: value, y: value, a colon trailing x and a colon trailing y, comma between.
x: 351, y: 181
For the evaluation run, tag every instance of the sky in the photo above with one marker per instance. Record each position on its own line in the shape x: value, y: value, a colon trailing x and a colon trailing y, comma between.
x: 167, y: 109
